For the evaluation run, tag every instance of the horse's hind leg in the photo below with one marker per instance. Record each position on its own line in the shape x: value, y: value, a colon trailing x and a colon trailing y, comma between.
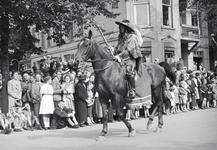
x: 151, y: 118
x: 158, y: 103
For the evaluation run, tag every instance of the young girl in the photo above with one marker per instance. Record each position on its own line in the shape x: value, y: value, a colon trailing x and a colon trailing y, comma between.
x: 204, y: 91
x: 209, y: 95
x: 183, y: 94
x: 90, y: 102
x: 47, y: 104
x: 172, y: 100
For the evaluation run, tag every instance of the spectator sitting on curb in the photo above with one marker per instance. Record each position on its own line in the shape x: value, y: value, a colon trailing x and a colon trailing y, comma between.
x: 63, y: 117
x: 4, y: 123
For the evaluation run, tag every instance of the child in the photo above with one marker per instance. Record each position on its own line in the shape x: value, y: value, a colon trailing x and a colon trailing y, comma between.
x: 214, y: 92
x: 189, y: 95
x: 209, y: 95
x: 172, y: 100
x: 183, y: 95
x: 90, y: 102
x: 4, y: 123
x: 177, y: 103
x: 204, y: 91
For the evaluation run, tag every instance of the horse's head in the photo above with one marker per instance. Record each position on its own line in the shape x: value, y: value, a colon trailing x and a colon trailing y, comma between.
x: 84, y: 49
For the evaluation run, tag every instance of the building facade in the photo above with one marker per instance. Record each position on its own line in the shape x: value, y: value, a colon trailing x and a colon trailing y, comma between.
x: 170, y: 31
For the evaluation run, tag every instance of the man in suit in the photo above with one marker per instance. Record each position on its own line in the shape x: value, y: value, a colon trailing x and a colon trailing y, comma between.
x: 57, y: 97
x: 35, y: 94
x: 62, y: 117
x: 56, y: 83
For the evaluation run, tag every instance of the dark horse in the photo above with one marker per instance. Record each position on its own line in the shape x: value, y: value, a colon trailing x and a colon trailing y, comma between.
x: 111, y: 84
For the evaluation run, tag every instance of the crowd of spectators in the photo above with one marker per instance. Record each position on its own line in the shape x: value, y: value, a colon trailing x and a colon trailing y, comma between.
x: 193, y: 90
x: 65, y: 99
x: 68, y: 99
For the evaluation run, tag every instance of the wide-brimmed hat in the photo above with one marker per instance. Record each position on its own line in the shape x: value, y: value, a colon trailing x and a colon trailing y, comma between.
x: 126, y: 24
x: 82, y: 77
x: 18, y: 102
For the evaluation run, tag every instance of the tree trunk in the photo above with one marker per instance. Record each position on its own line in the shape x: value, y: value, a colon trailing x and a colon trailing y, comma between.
x: 4, y: 55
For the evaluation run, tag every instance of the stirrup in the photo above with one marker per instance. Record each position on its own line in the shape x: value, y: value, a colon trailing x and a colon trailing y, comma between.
x: 131, y: 94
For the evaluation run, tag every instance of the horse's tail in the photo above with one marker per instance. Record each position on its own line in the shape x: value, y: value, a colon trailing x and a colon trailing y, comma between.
x: 170, y: 73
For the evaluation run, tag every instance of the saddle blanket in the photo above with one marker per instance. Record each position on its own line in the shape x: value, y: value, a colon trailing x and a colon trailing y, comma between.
x: 142, y: 91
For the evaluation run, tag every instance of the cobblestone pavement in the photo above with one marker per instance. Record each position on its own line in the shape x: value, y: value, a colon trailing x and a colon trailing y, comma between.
x: 194, y: 130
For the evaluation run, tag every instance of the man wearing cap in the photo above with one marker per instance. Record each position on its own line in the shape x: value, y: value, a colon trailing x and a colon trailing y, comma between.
x: 128, y: 50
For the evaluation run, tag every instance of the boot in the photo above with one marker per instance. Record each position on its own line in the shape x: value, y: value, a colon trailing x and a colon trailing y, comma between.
x: 38, y: 127
x: 131, y: 93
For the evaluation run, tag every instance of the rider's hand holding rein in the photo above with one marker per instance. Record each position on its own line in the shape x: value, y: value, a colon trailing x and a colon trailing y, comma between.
x: 117, y: 57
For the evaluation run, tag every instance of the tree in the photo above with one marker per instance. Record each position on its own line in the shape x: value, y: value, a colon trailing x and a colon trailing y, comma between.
x: 16, y: 17
x: 209, y: 10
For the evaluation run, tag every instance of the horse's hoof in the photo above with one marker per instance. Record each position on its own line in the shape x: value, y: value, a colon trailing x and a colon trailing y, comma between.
x: 158, y: 130
x: 149, y: 126
x: 100, y: 138
x: 132, y: 133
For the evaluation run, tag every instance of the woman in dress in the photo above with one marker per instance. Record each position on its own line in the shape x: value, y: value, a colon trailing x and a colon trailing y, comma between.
x: 68, y: 91
x: 80, y: 101
x: 14, y: 90
x: 47, y: 104
x: 68, y: 97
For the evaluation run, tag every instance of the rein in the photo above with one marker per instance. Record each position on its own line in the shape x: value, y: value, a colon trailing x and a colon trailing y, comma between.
x: 99, y: 61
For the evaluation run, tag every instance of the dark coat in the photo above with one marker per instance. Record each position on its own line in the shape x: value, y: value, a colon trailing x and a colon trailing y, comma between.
x: 60, y: 117
x: 80, y: 102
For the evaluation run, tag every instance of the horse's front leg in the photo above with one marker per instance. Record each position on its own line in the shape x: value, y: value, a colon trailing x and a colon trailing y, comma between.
x: 121, y: 115
x: 104, y: 105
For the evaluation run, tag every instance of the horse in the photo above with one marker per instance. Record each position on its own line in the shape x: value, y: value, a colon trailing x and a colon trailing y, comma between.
x: 110, y: 83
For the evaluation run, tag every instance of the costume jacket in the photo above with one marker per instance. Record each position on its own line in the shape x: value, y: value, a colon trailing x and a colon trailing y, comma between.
x: 128, y: 47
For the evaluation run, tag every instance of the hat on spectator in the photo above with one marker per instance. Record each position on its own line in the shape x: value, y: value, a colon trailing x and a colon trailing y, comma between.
x: 26, y: 105
x: 18, y: 103
x: 82, y: 77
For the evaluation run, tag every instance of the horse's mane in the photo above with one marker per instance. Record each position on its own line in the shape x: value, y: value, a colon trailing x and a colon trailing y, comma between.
x: 105, y: 50
x: 96, y: 45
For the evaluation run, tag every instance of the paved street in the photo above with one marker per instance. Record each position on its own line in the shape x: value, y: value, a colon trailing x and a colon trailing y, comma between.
x: 191, y: 130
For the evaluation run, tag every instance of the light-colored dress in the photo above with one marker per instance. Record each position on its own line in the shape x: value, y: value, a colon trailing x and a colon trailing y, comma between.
x: 14, y: 92
x: 47, y: 104
x: 68, y: 97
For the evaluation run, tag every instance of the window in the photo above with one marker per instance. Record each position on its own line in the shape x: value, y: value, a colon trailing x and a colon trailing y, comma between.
x: 141, y: 12
x: 49, y: 39
x: 169, y: 50
x: 182, y: 8
x: 167, y: 15
x: 194, y: 19
x: 42, y: 40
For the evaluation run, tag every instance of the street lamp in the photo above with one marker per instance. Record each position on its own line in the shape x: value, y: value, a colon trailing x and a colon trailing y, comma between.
x: 12, y: 62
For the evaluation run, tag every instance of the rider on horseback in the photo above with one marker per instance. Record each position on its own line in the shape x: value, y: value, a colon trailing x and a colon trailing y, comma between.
x: 128, y: 51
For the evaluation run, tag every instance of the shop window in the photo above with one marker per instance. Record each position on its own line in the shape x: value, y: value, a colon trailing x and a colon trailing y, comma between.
x: 167, y: 13
x: 169, y: 50
x: 141, y: 12
x: 146, y: 50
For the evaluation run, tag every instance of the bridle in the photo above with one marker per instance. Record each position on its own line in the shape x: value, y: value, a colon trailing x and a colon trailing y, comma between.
x: 89, y: 50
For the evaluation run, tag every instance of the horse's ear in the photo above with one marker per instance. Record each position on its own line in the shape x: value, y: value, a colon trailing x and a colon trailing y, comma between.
x: 90, y: 33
